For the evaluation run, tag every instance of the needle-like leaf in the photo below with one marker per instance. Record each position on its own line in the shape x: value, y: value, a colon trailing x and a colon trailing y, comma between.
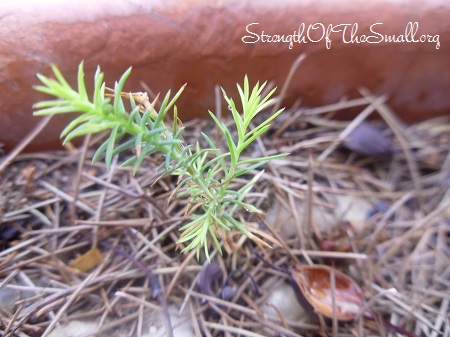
x: 205, y: 174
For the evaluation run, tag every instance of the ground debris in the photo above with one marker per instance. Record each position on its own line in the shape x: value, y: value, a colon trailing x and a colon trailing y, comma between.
x: 56, y: 206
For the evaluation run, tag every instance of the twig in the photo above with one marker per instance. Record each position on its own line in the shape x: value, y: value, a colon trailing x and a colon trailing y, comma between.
x: 24, y: 142
x: 354, y: 123
x: 288, y: 80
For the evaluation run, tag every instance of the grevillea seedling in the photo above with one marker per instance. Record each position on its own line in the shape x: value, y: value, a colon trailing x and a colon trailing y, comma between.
x: 205, y: 174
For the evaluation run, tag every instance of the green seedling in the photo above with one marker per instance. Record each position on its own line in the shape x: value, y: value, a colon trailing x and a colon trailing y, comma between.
x: 204, y: 174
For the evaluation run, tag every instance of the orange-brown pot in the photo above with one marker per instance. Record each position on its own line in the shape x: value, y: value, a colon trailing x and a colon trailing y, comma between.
x: 205, y: 43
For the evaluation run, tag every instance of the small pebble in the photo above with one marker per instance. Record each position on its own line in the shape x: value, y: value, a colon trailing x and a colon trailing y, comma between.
x: 285, y: 301
x: 369, y: 140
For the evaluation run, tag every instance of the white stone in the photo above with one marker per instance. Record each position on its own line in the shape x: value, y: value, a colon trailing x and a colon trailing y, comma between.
x: 74, y: 329
x: 353, y: 209
x: 283, y: 298
x: 180, y: 329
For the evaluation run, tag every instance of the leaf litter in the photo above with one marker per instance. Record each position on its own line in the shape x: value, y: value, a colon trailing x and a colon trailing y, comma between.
x: 83, y: 244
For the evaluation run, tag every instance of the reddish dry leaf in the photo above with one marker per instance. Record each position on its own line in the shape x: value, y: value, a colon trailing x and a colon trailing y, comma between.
x: 28, y: 173
x: 313, y: 287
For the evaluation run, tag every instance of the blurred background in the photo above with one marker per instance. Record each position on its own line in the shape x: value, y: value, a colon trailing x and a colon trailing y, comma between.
x: 201, y: 43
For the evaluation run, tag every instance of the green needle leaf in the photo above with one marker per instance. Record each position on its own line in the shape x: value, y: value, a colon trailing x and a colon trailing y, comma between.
x: 205, y: 175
